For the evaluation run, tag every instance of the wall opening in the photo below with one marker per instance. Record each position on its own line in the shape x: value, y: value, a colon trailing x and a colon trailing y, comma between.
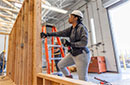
x: 119, y: 20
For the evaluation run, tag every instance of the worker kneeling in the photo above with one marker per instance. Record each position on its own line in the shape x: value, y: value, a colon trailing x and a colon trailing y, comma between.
x: 80, y: 54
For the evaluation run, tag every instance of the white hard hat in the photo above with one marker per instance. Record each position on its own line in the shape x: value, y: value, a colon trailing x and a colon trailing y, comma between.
x: 78, y: 13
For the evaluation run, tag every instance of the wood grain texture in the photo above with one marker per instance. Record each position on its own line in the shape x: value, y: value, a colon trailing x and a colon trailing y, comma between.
x: 4, y: 80
x: 47, y: 79
x: 25, y: 49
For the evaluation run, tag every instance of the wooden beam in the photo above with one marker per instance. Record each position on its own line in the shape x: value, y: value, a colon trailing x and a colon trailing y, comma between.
x: 6, y: 22
x: 9, y: 9
x: 3, y: 29
x: 5, y: 16
x: 47, y: 79
x: 12, y: 14
x: 15, y: 1
x: 37, y: 51
x: 4, y: 33
x: 4, y: 80
x: 10, y: 21
x: 25, y: 61
x: 10, y: 4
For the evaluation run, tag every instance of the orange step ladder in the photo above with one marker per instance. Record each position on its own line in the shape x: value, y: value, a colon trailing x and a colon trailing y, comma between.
x: 52, y: 50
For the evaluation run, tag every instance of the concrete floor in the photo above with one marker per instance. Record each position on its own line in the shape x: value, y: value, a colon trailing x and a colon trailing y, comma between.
x: 122, y: 78
x: 114, y: 78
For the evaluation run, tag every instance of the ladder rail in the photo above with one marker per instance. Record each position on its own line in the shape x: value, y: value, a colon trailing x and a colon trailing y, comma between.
x: 52, y: 52
x: 61, y: 49
x: 46, y: 50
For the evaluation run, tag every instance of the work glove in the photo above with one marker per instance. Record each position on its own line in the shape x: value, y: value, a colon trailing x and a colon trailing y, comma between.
x: 65, y: 42
x: 43, y: 35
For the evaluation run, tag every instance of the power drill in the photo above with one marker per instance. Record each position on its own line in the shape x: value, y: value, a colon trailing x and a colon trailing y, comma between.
x: 104, y: 82
x: 63, y: 41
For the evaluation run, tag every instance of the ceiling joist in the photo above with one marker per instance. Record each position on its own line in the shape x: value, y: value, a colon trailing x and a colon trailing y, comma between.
x: 7, y: 2
x: 8, y: 22
x: 10, y: 13
x: 15, y: 1
x: 4, y: 33
x: 4, y: 29
x: 7, y: 26
x: 9, y: 9
x: 5, y: 16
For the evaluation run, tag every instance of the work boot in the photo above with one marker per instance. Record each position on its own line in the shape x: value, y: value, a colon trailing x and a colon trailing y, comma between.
x: 70, y: 76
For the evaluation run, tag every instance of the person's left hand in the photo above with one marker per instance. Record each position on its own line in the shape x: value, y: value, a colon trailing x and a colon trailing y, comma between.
x: 65, y: 42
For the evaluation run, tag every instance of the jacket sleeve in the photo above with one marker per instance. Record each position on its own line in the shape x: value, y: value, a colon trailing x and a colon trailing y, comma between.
x: 63, y: 33
x: 83, y: 38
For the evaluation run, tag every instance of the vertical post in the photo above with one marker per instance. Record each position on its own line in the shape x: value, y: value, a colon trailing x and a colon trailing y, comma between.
x: 37, y: 46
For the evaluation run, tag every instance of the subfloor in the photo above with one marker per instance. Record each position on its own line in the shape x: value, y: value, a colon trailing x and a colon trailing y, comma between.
x: 122, y: 78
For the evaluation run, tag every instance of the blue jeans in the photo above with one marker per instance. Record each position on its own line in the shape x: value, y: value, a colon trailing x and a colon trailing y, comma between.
x: 81, y: 61
x: 1, y: 66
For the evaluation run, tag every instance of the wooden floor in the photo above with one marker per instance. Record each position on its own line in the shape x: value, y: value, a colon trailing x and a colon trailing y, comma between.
x: 4, y: 80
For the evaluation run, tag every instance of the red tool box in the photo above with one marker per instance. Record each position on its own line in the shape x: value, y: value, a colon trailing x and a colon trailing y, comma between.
x: 97, y: 64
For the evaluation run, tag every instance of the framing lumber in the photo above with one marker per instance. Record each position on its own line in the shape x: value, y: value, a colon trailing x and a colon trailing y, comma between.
x: 9, y: 13
x: 6, y: 30
x: 16, y: 1
x: 25, y: 61
x: 6, y: 22
x: 4, y: 33
x: 2, y: 20
x: 5, y: 16
x: 6, y: 81
x: 5, y: 8
x: 47, y: 79
x: 6, y: 25
x: 7, y: 2
x: 9, y: 20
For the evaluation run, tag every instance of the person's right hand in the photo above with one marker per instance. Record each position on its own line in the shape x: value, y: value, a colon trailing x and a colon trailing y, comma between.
x: 43, y: 35
x: 65, y: 42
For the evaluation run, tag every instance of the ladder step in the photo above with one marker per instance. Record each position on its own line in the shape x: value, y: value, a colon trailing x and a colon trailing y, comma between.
x: 54, y: 46
x: 55, y: 58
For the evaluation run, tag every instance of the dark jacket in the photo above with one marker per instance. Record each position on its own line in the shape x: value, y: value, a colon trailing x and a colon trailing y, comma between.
x: 78, y: 36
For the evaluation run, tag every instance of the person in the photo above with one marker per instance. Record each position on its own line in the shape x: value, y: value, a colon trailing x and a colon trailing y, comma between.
x: 1, y: 62
x: 80, y: 54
